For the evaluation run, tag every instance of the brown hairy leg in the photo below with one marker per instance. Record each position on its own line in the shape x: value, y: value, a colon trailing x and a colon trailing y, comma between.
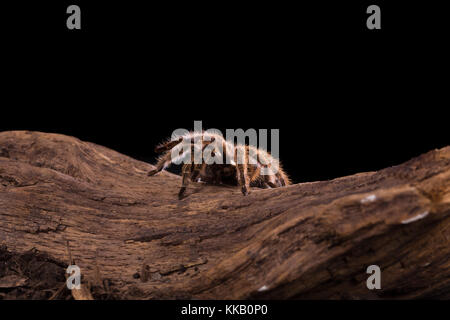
x: 271, y: 184
x: 168, y: 145
x: 186, y: 173
x: 281, y: 179
x: 196, y: 170
x: 162, y: 163
x: 241, y: 172
x: 166, y: 159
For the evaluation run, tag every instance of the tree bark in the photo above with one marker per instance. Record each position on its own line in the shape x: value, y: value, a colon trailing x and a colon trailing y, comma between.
x: 306, y: 241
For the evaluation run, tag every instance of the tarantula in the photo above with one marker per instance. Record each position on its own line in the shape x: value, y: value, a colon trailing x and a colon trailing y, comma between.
x: 264, y: 171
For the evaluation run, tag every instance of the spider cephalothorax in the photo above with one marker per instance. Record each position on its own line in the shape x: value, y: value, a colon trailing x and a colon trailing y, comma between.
x: 241, y: 165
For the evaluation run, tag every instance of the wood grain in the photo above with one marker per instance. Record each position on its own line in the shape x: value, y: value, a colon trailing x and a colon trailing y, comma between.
x: 307, y: 241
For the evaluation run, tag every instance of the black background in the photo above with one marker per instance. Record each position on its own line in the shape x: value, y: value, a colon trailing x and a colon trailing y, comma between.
x: 346, y: 99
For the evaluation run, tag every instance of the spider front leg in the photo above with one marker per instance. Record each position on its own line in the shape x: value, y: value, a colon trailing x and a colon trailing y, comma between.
x: 197, y: 170
x: 186, y: 174
x: 241, y: 158
x: 242, y: 178
x: 162, y: 163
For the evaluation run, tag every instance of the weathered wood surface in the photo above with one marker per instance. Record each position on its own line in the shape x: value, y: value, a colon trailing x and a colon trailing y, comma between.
x: 309, y: 240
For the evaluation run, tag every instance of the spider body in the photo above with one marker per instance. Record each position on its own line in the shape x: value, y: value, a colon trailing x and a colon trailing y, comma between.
x: 242, y: 165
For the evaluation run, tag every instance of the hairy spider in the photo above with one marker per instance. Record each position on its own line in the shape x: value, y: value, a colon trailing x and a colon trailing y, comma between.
x: 245, y: 166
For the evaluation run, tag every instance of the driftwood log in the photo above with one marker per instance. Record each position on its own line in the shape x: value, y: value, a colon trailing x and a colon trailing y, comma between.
x: 131, y: 235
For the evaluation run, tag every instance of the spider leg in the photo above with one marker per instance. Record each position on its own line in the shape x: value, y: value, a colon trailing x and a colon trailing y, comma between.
x: 256, y: 176
x: 272, y: 181
x: 241, y: 172
x: 186, y: 176
x: 196, y: 171
x: 190, y: 172
x: 162, y: 163
x: 166, y: 159
x: 271, y: 184
x: 168, y: 145
x: 243, y: 178
x: 281, y: 179
x: 256, y: 173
